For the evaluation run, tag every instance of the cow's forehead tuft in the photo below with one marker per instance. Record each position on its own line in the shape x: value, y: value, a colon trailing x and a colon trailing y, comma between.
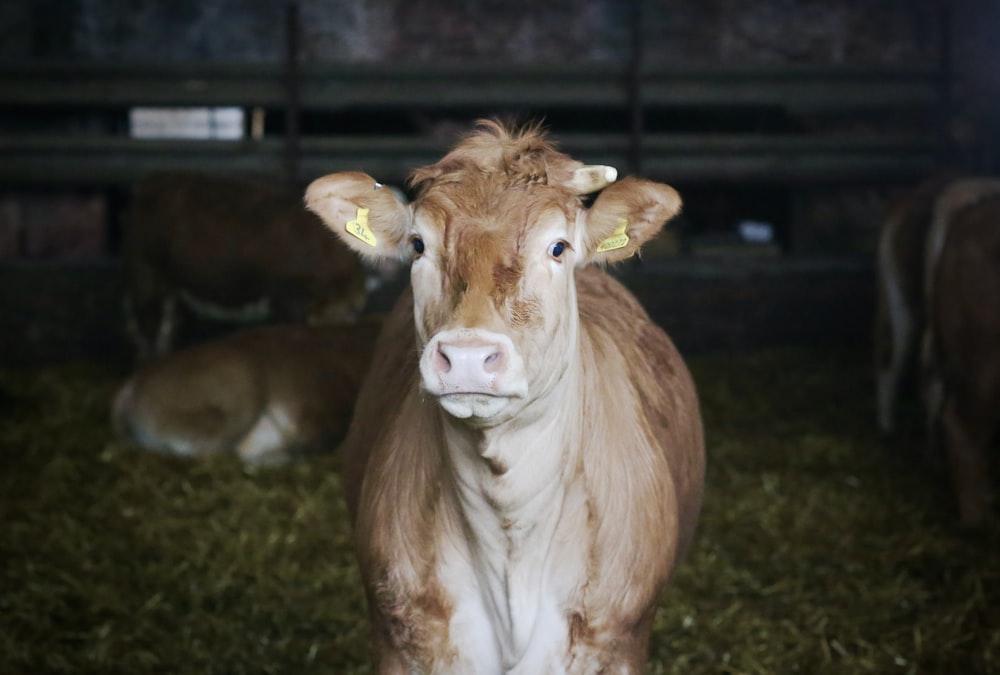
x: 494, y: 207
x: 502, y: 155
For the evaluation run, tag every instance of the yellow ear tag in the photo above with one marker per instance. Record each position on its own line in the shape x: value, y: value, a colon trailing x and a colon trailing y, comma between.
x: 359, y: 227
x: 618, y: 238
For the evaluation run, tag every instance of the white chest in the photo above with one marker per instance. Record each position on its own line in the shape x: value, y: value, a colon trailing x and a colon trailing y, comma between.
x: 514, y: 585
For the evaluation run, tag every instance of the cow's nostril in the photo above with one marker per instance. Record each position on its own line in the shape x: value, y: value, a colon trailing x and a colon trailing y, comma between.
x: 473, y: 363
x: 441, y: 361
x: 493, y: 362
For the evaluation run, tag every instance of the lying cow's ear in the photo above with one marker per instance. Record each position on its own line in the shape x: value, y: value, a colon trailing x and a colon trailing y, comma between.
x: 627, y: 215
x: 365, y: 214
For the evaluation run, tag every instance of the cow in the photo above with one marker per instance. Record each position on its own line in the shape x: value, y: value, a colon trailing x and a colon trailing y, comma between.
x: 525, y: 464
x: 900, y: 311
x: 961, y: 337
x: 230, y: 249
x: 267, y: 394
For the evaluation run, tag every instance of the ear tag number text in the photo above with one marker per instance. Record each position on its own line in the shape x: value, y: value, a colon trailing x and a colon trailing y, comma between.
x: 359, y: 227
x: 618, y: 238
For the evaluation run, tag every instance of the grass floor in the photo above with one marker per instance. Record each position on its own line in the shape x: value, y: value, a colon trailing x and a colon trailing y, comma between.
x: 822, y: 549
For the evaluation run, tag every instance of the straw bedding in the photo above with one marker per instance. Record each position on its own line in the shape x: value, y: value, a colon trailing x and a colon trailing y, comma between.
x: 822, y: 549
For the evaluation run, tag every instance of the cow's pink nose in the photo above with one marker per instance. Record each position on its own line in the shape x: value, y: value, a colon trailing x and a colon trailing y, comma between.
x: 468, y: 366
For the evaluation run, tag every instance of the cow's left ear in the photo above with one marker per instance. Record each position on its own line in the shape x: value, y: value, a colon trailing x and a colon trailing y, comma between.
x: 366, y: 215
x: 625, y: 216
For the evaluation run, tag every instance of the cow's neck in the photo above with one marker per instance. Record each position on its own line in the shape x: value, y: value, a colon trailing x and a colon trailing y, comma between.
x: 512, y: 484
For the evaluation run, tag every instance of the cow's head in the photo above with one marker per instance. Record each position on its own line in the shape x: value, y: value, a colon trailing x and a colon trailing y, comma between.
x: 495, y: 233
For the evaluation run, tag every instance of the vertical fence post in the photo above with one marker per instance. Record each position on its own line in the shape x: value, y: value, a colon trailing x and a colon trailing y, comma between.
x: 634, y: 81
x: 292, y: 93
x: 946, y: 110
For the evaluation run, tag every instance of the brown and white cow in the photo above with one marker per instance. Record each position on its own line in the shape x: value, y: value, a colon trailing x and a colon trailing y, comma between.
x: 900, y: 305
x: 525, y: 465
x: 266, y: 393
x: 961, y: 346
x: 230, y: 249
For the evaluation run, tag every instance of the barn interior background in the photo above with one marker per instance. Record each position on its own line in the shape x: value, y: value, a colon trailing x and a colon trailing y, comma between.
x: 787, y: 125
x: 805, y: 116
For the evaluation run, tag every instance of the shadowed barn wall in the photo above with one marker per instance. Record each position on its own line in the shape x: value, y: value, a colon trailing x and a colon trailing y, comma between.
x: 676, y: 31
x: 842, y: 220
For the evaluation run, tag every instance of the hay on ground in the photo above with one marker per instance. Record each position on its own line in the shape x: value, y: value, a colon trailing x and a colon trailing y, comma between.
x: 821, y: 548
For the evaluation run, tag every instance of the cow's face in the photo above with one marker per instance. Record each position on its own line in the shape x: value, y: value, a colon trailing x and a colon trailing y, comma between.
x: 494, y: 301
x: 492, y: 273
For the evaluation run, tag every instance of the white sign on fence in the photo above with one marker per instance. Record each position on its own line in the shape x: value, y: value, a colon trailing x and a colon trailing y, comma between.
x: 195, y: 123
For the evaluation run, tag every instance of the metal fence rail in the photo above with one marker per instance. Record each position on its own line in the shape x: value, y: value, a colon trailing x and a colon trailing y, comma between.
x: 338, y: 86
x: 99, y: 150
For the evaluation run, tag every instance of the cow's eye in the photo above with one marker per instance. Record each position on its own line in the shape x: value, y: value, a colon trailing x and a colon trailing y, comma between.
x: 418, y: 245
x: 557, y: 249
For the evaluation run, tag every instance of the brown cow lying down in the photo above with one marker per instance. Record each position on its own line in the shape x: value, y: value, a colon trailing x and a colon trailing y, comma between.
x: 961, y: 349
x: 233, y: 250
x: 524, y: 468
x: 265, y: 393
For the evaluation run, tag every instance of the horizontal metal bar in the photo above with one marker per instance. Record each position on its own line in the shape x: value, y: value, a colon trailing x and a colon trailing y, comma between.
x: 755, y: 158
x: 344, y: 86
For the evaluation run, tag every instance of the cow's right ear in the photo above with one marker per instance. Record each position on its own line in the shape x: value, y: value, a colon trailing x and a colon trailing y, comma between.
x: 365, y: 214
x: 626, y: 215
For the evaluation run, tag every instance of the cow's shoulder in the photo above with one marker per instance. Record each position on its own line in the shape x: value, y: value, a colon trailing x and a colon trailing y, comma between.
x: 639, y: 393
x: 618, y: 326
x: 381, y: 411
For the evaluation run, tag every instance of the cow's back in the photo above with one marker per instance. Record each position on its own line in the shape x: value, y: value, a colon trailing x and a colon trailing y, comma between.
x: 298, y: 381
x: 231, y: 240
x: 318, y: 368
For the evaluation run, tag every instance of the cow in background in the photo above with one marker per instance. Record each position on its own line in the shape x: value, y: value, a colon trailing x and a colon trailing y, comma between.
x: 524, y: 467
x: 961, y: 339
x: 232, y: 250
x: 900, y: 305
x: 266, y: 393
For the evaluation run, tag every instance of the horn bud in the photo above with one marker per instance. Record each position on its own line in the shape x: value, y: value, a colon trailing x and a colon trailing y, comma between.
x: 592, y: 178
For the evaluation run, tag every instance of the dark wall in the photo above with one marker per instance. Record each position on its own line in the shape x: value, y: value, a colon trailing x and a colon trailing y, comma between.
x: 674, y: 31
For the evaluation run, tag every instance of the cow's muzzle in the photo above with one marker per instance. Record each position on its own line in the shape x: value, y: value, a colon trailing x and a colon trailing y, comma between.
x: 473, y: 373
